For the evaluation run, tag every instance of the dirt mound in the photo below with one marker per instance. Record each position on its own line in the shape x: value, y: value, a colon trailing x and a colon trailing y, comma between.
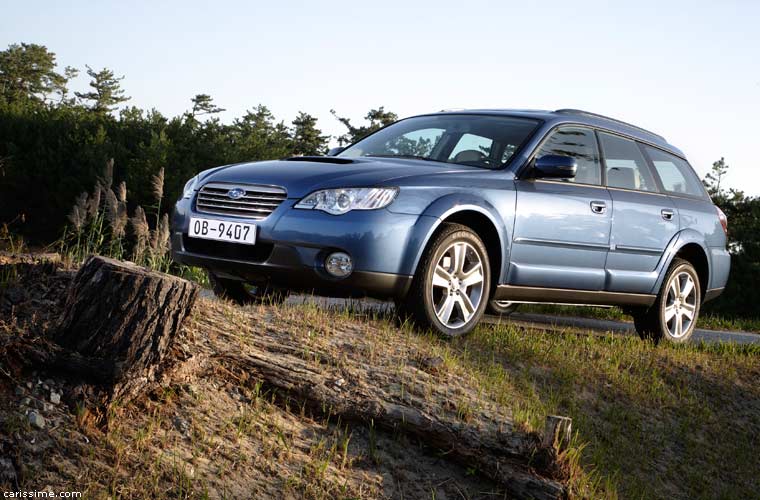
x: 262, y: 401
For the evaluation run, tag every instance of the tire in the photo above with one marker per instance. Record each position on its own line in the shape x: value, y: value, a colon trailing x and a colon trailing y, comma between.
x: 242, y: 294
x: 668, y: 318
x: 502, y: 307
x: 451, y: 308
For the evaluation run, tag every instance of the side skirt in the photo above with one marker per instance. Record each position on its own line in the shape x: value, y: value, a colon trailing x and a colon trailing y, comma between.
x: 565, y: 295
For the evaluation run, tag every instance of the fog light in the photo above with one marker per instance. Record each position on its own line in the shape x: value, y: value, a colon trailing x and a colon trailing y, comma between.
x: 339, y: 264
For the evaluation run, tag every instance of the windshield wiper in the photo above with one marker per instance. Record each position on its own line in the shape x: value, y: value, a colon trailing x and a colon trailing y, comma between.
x: 412, y: 157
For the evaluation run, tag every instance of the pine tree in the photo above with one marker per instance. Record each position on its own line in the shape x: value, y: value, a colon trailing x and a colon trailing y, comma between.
x: 203, y: 104
x: 107, y: 92
x: 307, y: 138
x: 378, y: 118
x: 27, y: 71
x: 715, y: 176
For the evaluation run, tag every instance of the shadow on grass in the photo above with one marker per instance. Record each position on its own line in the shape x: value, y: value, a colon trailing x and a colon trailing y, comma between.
x: 657, y: 421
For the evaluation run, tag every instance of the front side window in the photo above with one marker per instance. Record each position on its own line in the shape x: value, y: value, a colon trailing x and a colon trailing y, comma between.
x: 471, y: 147
x: 485, y: 141
x: 675, y: 174
x: 579, y: 143
x: 626, y: 166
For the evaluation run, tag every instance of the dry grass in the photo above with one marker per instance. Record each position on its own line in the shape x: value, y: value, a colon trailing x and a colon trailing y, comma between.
x: 98, y: 224
x: 651, y: 422
x: 222, y: 435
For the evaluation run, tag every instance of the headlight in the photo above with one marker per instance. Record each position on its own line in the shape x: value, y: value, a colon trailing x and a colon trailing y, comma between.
x: 187, y: 191
x: 340, y: 201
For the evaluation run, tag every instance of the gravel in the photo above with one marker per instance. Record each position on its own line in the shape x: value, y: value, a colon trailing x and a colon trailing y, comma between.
x: 36, y: 419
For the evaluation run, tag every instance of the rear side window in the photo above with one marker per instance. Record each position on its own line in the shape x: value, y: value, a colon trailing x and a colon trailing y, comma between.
x: 625, y: 164
x: 675, y: 174
x: 579, y: 143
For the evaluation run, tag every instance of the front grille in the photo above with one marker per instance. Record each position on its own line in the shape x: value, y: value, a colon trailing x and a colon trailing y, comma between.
x: 257, y: 202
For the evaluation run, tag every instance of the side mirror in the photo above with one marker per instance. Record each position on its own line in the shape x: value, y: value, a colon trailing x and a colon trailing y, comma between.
x: 335, y: 151
x: 556, y: 167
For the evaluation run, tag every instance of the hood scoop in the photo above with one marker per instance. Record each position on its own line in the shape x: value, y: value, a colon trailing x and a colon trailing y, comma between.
x: 322, y: 159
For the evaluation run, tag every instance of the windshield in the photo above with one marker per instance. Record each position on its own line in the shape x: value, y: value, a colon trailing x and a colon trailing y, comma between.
x: 478, y: 140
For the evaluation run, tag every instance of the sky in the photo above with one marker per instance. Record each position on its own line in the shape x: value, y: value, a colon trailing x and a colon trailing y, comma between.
x: 689, y: 71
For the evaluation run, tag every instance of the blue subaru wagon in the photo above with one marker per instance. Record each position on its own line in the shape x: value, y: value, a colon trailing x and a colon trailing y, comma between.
x: 453, y: 213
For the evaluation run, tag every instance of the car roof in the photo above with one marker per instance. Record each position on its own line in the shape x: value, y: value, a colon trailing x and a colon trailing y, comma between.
x: 577, y: 116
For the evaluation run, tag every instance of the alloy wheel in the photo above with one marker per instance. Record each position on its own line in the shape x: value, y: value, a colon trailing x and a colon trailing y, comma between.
x: 503, y: 303
x: 680, y: 305
x: 457, y: 284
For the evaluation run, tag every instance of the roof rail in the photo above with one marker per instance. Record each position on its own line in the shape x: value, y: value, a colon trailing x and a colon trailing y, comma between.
x: 596, y: 115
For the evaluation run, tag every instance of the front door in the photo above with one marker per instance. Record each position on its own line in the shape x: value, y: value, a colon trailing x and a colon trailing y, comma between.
x: 562, y: 228
x: 644, y: 220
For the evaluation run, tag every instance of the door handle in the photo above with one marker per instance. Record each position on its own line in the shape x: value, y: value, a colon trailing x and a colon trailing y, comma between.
x: 598, y: 207
x: 667, y: 214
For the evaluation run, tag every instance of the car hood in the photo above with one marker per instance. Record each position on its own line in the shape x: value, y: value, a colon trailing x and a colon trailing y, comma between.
x: 302, y: 175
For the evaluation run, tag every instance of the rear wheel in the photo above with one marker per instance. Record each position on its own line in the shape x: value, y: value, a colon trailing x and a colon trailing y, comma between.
x: 450, y: 290
x: 242, y: 293
x: 502, y: 307
x: 674, y: 314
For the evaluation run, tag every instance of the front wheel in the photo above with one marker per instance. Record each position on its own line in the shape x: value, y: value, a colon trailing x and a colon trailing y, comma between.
x: 450, y: 290
x: 673, y: 316
x: 242, y: 294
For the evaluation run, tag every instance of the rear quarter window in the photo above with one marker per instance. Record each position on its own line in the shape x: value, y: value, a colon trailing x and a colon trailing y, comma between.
x: 676, y: 176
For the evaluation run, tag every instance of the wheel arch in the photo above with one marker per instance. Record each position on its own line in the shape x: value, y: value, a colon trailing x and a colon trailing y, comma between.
x: 697, y: 256
x: 688, y: 245
x: 479, y: 216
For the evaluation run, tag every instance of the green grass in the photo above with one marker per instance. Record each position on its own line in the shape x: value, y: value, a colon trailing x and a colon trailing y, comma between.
x: 708, y: 321
x: 651, y: 422
x: 195, y: 274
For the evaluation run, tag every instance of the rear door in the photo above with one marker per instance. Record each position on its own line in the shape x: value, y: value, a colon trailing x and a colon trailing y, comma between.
x: 562, y: 228
x: 643, y: 219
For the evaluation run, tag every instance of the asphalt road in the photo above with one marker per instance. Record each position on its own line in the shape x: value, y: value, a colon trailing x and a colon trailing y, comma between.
x: 541, y: 321
x: 552, y: 322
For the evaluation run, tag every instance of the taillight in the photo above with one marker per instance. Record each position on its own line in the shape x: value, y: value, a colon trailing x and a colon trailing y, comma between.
x: 723, y: 220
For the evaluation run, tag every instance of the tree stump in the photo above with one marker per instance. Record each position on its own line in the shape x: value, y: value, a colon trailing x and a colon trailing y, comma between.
x: 124, y: 319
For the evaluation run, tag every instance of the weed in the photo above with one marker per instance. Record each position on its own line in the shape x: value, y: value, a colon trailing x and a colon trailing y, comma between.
x: 98, y: 224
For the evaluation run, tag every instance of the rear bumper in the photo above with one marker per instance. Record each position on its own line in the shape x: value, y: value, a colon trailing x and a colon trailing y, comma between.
x: 720, y: 267
x: 712, y: 293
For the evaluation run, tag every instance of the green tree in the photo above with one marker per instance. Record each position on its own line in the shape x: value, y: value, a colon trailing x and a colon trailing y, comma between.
x: 107, y: 92
x: 203, y: 104
x: 715, y: 176
x: 256, y: 136
x: 743, y: 215
x: 307, y: 138
x: 27, y: 72
x: 377, y: 118
x: 56, y: 147
x: 63, y: 90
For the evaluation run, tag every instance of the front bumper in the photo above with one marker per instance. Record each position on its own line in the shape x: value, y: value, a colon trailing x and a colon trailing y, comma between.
x: 292, y: 245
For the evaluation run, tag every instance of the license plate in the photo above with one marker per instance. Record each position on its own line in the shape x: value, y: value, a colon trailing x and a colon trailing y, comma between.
x: 222, y: 230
